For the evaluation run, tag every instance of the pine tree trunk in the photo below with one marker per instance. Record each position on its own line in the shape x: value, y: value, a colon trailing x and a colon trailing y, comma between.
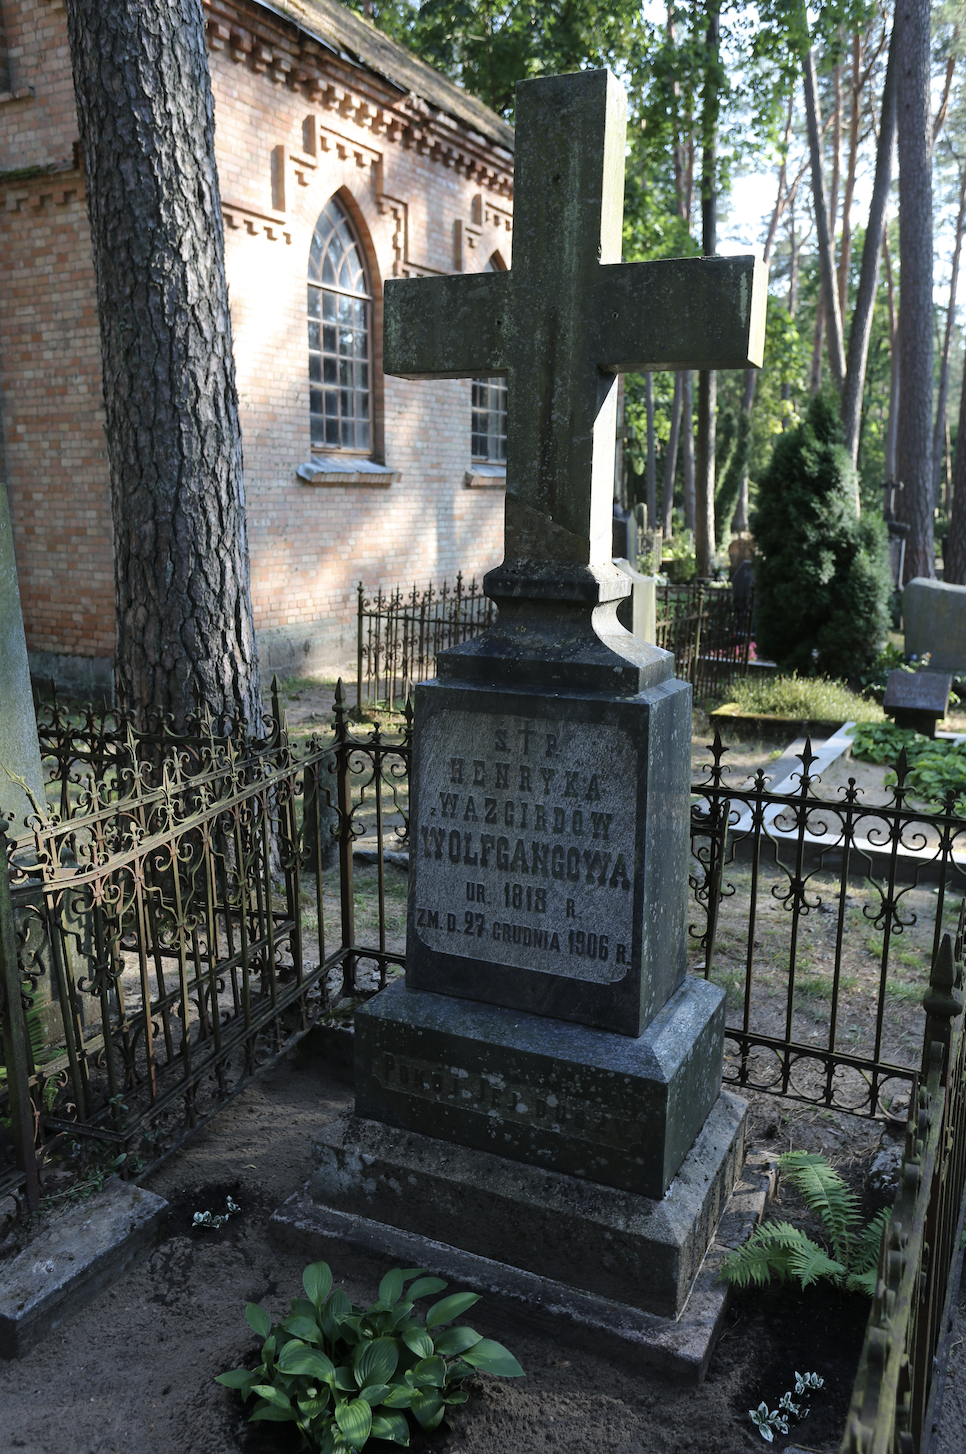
x: 939, y: 430
x: 704, y: 531
x: 820, y: 209
x: 650, y: 468
x: 861, y: 329
x: 184, y: 626
x: 914, y: 437
x: 671, y: 461
x: 855, y: 116
x: 687, y: 416
x: 889, y: 462
x: 954, y: 555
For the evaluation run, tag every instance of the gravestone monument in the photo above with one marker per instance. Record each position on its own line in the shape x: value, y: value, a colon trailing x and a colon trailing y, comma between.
x: 540, y: 1098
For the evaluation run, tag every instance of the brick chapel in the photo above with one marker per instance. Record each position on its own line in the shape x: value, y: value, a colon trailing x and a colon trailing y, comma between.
x: 343, y: 160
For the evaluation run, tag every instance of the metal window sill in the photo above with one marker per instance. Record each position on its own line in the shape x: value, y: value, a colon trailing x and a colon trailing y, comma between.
x: 482, y: 476
x: 347, y: 470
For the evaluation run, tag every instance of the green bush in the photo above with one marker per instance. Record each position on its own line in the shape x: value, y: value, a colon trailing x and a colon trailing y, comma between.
x: 822, y: 581
x: 343, y: 1374
x: 802, y: 699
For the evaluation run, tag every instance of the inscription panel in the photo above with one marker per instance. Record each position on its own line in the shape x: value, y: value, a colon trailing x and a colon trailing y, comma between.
x: 523, y: 843
x: 497, y: 1098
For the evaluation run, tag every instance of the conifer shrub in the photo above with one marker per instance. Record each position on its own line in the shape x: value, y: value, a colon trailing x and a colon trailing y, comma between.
x: 822, y: 582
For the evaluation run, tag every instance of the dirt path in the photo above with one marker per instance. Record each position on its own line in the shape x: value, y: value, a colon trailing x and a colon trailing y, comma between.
x: 135, y: 1371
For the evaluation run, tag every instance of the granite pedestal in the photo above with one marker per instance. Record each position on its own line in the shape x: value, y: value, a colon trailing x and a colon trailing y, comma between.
x: 566, y: 1098
x: 609, y: 1243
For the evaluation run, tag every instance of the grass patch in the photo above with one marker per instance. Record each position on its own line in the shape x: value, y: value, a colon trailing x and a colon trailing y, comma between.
x: 803, y: 699
x: 897, y: 989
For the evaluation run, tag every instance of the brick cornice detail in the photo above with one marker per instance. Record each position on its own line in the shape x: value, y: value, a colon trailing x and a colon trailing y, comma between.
x: 275, y: 48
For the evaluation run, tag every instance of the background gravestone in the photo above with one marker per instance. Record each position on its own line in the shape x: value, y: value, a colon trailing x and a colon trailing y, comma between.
x: 917, y: 699
x: 934, y: 621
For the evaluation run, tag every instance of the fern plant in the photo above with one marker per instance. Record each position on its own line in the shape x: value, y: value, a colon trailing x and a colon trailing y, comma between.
x: 851, y: 1258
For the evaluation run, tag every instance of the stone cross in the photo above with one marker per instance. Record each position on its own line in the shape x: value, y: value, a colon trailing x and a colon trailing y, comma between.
x: 563, y: 323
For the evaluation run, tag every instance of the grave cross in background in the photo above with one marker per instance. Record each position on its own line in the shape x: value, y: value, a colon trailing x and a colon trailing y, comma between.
x: 561, y: 324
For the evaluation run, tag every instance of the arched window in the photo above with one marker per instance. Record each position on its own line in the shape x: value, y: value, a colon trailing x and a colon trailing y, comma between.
x: 339, y: 322
x: 488, y: 424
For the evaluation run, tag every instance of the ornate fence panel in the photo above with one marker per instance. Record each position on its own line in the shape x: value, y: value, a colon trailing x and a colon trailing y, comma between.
x: 175, y: 930
x: 899, y: 1384
x: 399, y: 636
x: 820, y: 914
x: 709, y: 634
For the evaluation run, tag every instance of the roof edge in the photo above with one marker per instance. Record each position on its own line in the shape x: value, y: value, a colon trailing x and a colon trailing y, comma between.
x: 350, y: 36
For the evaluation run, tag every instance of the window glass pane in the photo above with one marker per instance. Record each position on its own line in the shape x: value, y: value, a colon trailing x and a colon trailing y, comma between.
x: 339, y: 349
x: 488, y: 420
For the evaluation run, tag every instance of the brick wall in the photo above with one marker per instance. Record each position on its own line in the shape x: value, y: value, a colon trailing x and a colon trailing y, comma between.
x: 423, y: 200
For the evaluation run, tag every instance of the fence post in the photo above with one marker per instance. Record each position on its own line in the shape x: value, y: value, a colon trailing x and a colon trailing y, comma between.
x: 359, y: 653
x: 344, y: 791
x: 15, y: 1037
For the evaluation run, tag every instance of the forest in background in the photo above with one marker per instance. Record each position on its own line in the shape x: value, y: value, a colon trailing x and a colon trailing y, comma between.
x: 717, y: 91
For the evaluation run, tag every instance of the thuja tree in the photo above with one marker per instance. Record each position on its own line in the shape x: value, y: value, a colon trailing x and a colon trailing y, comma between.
x: 184, y: 626
x: 822, y: 580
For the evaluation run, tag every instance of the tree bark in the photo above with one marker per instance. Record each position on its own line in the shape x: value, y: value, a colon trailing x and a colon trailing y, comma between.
x: 671, y: 461
x: 861, y: 329
x: 650, y: 466
x: 939, y: 430
x: 914, y: 437
x: 826, y: 253
x: 184, y: 628
x: 704, y: 531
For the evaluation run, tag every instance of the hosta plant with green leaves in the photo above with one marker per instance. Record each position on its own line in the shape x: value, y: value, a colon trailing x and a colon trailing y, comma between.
x: 851, y: 1258
x: 343, y: 1374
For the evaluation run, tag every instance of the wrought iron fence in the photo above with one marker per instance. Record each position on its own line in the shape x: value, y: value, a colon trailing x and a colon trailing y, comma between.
x: 400, y: 635
x: 171, y: 926
x: 176, y: 928
x: 709, y: 632
x: 820, y: 914
x: 897, y: 1397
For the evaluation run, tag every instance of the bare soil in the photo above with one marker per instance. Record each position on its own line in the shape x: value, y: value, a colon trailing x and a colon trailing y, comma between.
x: 136, y: 1369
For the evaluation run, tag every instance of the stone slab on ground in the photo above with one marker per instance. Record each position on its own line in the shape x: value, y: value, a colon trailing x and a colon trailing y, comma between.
x: 75, y: 1255
x: 547, y: 1092
x: 610, y: 1243
x: 678, y: 1348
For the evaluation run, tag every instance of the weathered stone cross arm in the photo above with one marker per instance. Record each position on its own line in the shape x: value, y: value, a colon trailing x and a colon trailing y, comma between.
x: 566, y: 319
x: 677, y: 313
